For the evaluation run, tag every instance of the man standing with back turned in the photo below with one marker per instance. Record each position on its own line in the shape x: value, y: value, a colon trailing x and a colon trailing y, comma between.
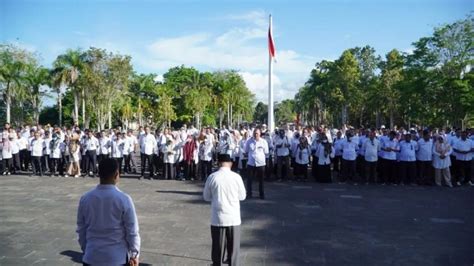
x: 225, y: 190
x: 107, y: 224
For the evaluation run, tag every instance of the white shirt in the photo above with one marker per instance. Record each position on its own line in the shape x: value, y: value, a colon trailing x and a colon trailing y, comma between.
x: 256, y: 151
x: 104, y: 145
x: 117, y: 147
x: 371, y: 149
x: 337, y: 146
x: 23, y: 143
x: 324, y: 159
x: 390, y: 155
x: 107, y: 226
x: 15, y: 146
x: 407, y: 150
x: 37, y: 146
x: 205, y: 150
x: 439, y: 163
x: 168, y: 151
x: 282, y: 145
x: 225, y: 189
x: 91, y: 144
x: 56, y: 151
x: 463, y: 145
x: 47, y: 146
x: 349, y: 149
x: 302, y: 155
x: 148, y: 144
x: 425, y: 150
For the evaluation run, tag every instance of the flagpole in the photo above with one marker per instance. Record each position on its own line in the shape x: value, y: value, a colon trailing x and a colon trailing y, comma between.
x: 271, y: 124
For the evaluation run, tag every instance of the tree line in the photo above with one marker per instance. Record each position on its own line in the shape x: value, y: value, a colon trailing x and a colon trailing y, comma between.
x: 99, y: 89
x: 433, y: 85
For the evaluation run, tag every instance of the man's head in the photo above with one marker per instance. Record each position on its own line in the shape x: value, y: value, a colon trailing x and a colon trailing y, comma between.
x: 257, y: 133
x: 224, y: 160
x: 109, y: 171
x: 464, y: 135
x: 407, y: 137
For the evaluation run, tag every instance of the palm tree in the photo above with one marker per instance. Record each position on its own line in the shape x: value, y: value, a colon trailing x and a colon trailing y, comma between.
x: 68, y: 67
x: 56, y: 84
x: 35, y: 78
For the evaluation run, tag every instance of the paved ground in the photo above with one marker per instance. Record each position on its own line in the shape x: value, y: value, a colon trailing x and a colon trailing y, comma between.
x: 298, y: 223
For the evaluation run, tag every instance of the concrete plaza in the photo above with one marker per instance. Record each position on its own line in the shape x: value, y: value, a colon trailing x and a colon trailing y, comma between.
x: 298, y: 223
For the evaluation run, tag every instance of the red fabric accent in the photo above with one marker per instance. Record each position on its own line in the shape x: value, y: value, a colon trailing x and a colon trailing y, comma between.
x: 271, y: 44
x: 189, y: 149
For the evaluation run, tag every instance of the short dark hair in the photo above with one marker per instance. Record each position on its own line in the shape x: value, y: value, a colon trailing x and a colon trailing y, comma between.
x: 108, y: 168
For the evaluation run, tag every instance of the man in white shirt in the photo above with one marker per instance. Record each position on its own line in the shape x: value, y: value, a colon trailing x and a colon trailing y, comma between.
x: 37, y: 146
x: 131, y: 144
x: 107, y: 225
x: 148, y: 145
x: 464, y: 149
x: 424, y: 158
x: 104, y: 146
x: 389, y: 167
x: 349, y: 148
x: 371, y: 148
x: 91, y: 144
x: 256, y: 148
x: 282, y: 146
x: 225, y: 190
x: 407, y: 151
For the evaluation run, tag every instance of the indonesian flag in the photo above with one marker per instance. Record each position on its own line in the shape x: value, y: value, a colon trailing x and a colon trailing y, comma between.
x: 271, y: 43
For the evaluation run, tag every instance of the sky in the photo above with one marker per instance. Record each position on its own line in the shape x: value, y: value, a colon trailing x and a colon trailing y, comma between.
x: 219, y: 35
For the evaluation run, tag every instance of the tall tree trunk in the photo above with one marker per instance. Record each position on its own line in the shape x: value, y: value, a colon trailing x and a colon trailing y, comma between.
x: 231, y: 123
x: 344, y: 116
x: 8, y: 101
x: 391, y: 118
x: 109, y: 114
x: 377, y: 119
x: 198, y: 121
x: 221, y: 117
x: 76, y: 108
x: 83, y: 108
x: 60, y: 105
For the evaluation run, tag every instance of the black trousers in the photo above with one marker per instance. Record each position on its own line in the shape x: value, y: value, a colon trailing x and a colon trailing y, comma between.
x: 465, y: 171
x: 389, y: 171
x: 407, y: 172
x: 255, y: 173
x: 370, y: 172
x: 235, y: 164
x: 301, y: 170
x: 190, y: 170
x: 348, y: 170
x: 225, y: 239
x: 36, y: 165
x: 8, y: 165
x: 101, y: 157
x: 360, y: 165
x: 315, y: 168
x: 57, y: 166
x: 46, y: 163
x: 268, y: 167
x: 324, y: 173
x: 454, y: 169
x: 205, y: 169
x: 169, y: 171
x: 337, y: 163
x: 128, y: 162
x: 91, y: 161
x: 119, y: 162
x: 425, y: 172
x: 24, y: 159
x: 16, y: 162
x: 144, y: 159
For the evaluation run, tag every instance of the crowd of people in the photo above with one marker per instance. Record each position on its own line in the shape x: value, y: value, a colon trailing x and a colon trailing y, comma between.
x: 290, y: 153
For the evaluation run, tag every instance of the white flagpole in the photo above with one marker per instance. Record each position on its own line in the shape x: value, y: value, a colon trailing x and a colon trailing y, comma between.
x: 271, y: 124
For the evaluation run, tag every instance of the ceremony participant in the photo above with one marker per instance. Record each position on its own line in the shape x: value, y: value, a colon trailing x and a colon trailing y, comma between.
x: 104, y: 146
x: 324, y: 153
x: 269, y: 156
x: 371, y: 149
x: 389, y: 155
x: 338, y: 152
x: 424, y: 158
x: 349, y: 149
x: 191, y: 157
x: 225, y: 189
x: 169, y: 158
x: 242, y: 155
x: 314, y: 154
x: 302, y: 155
x: 256, y: 148
x: 407, y: 149
x: 91, y: 144
x: 464, y: 149
x: 23, y: 145
x: 15, y: 145
x: 148, y: 145
x: 282, y: 146
x: 7, y: 154
x: 74, y: 148
x: 117, y: 145
x: 236, y: 151
x: 129, y: 150
x: 107, y: 224
x: 442, y: 161
x: 37, y: 146
x: 46, y: 162
x: 56, y: 156
x: 206, y: 147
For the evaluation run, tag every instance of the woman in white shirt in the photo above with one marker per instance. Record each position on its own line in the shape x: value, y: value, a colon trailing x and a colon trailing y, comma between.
x: 7, y: 154
x: 302, y: 154
x: 324, y: 152
x: 169, y: 158
x: 37, y: 147
x: 441, y: 161
x: 55, y: 155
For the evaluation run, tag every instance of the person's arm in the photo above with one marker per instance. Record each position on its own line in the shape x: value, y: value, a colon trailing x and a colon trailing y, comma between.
x: 132, y: 235
x: 81, y: 226
x: 242, y: 192
x: 207, y: 193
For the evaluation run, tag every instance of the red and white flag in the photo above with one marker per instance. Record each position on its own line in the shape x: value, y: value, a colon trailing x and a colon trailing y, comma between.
x: 271, y: 43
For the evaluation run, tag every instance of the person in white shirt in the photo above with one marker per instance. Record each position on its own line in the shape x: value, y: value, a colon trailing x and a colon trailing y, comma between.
x: 23, y: 146
x: 16, y: 166
x: 338, y: 152
x: 349, y: 149
x: 451, y: 138
x: 407, y: 150
x: 389, y: 166
x: 148, y: 145
x: 442, y: 161
x: 269, y: 155
x: 225, y: 189
x: 46, y: 163
x: 104, y: 146
x: 107, y: 224
x: 324, y: 153
x: 206, y: 147
x: 74, y: 148
x: 131, y: 144
x: 55, y: 155
x: 282, y: 146
x: 37, y: 146
x: 7, y: 154
x: 424, y: 158
x: 169, y: 158
x: 464, y: 149
x: 117, y: 146
x: 302, y: 156
x: 91, y: 144
x: 256, y: 148
x: 371, y: 148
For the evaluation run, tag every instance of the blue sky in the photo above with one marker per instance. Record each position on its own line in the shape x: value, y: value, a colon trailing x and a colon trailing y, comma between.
x: 215, y: 35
